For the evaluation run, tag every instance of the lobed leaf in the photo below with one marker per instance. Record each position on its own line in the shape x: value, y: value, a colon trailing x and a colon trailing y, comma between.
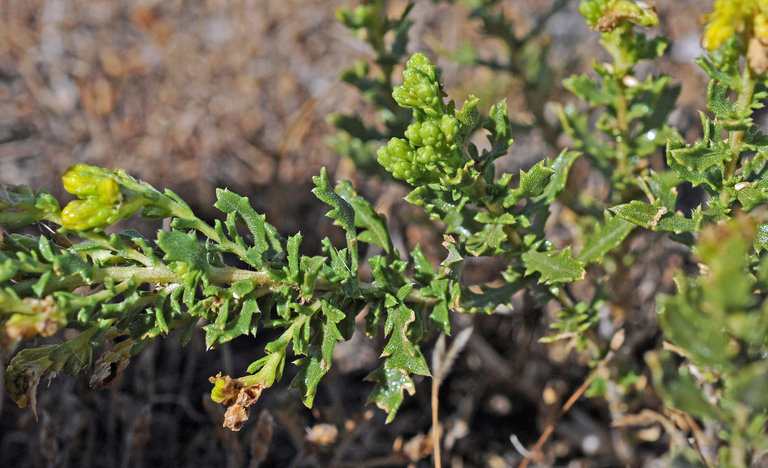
x: 606, y: 237
x: 387, y: 394
x: 239, y: 206
x: 183, y: 247
x: 342, y: 213
x: 317, y: 363
x: 656, y: 217
x: 553, y: 267
x: 374, y: 225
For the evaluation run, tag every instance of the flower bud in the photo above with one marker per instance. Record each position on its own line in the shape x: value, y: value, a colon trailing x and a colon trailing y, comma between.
x: 84, y: 180
x: 81, y: 215
x: 421, y: 86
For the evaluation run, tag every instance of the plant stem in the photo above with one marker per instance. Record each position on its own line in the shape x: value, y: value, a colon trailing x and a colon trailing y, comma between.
x: 436, y: 424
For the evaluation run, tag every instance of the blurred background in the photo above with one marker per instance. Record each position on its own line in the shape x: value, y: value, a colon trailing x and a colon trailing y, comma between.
x: 195, y: 95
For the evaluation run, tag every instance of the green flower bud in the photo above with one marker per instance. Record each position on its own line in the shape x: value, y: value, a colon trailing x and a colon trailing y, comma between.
x: 431, y: 134
x: 421, y: 86
x: 426, y: 156
x: 395, y: 157
x: 239, y: 394
x: 449, y: 127
x: 440, y: 134
x: 221, y: 386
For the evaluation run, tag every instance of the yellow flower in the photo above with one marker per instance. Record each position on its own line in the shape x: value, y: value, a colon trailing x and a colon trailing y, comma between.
x: 732, y: 17
x: 760, y: 28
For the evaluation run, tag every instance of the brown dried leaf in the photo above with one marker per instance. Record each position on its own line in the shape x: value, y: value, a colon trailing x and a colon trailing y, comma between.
x: 238, y: 399
x: 43, y: 318
x: 419, y: 446
x: 757, y: 55
x: 22, y: 387
x: 106, y: 370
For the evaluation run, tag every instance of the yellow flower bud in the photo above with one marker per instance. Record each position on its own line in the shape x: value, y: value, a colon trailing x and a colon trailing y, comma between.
x: 80, y: 215
x: 84, y: 180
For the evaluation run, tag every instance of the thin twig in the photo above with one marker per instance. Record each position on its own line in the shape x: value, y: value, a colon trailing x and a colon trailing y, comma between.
x: 442, y: 361
x: 435, y: 422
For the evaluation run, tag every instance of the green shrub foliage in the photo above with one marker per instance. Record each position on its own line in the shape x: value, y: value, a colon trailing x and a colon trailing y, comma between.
x: 238, y: 275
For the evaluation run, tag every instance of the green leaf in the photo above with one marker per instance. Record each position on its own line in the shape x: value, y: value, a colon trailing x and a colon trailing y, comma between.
x: 683, y: 325
x: 678, y: 388
x: 730, y: 80
x: 761, y: 238
x: 441, y: 315
x: 234, y: 204
x: 700, y: 157
x: 310, y: 270
x: 586, y: 88
x: 181, y: 247
x: 373, y: 223
x: 748, y: 386
x: 753, y: 195
x: 703, y: 162
x: 662, y: 186
x: 292, y: 270
x: 214, y: 332
x: 68, y: 263
x: 340, y: 271
x: 562, y: 268
x: 422, y: 269
x: 342, y: 212
x: 489, y: 298
x: 355, y: 127
x: 561, y: 167
x: 655, y: 217
x: 501, y: 131
x: 387, y: 394
x: 446, y: 207
x: 403, y: 353
x: 718, y: 102
x: 8, y: 268
x: 487, y: 241
x: 532, y: 183
x: 606, y: 237
x: 318, y: 360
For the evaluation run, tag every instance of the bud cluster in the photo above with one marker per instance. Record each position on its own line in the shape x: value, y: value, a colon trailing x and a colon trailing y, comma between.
x: 105, y: 196
x: 431, y: 147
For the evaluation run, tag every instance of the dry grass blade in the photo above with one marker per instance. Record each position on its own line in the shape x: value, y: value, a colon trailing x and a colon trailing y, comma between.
x: 442, y: 360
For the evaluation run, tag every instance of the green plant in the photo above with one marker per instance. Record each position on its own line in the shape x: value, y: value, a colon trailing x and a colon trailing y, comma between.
x: 119, y: 291
x: 141, y: 289
x: 356, y: 139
